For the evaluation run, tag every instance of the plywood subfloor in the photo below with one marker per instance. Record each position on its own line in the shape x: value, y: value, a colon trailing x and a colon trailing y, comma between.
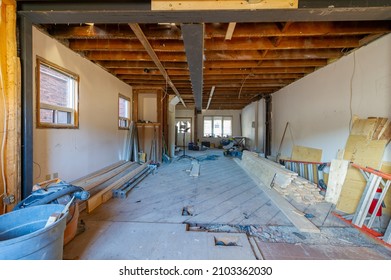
x: 153, y: 221
x: 221, y: 194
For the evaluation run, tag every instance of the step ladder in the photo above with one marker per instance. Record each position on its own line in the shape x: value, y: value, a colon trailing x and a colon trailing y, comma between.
x: 362, y: 217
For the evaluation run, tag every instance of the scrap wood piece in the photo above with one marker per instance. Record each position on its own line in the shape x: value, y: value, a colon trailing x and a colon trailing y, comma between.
x: 300, y: 222
x: 195, y: 169
x: 106, y: 193
x: 338, y: 171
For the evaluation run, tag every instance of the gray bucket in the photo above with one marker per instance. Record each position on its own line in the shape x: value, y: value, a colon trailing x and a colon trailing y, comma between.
x: 23, y: 234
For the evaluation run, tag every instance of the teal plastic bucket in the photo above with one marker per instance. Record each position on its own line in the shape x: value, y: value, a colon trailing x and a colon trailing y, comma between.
x: 23, y: 234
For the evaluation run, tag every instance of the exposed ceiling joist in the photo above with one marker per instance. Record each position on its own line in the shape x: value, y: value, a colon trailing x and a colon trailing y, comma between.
x: 144, y: 41
x: 193, y: 37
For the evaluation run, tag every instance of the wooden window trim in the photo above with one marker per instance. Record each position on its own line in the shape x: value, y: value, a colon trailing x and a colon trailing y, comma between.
x: 122, y: 118
x: 74, y: 111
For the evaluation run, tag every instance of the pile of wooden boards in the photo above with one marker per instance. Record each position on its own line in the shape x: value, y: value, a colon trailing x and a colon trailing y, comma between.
x: 102, y: 183
x: 365, y: 146
x: 302, y: 191
x: 131, y: 150
x: 284, y: 181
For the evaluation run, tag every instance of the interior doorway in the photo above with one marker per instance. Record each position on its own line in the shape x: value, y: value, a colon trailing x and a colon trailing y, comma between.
x: 184, y: 131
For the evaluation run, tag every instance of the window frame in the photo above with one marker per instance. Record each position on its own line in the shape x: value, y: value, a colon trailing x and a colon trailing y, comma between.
x: 121, y: 96
x: 74, y: 111
x: 212, y: 127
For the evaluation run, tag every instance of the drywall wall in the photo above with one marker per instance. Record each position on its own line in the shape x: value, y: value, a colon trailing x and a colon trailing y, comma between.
x: 97, y: 142
x: 253, y: 126
x: 319, y: 107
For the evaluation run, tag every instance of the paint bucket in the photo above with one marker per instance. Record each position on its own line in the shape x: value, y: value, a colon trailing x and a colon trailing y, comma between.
x: 23, y: 234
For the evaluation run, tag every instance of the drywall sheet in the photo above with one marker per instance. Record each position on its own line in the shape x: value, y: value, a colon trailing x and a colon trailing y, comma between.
x: 301, y: 153
x: 362, y: 149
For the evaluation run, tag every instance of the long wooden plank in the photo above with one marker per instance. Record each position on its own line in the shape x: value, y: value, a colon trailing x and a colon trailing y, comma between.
x: 338, y: 171
x: 90, y: 184
x: 296, y: 217
x: 96, y: 200
x: 144, y: 41
x: 97, y: 173
x: 181, y: 5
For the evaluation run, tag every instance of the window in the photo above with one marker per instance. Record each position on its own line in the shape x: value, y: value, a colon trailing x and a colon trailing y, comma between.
x: 123, y: 112
x: 57, y: 96
x: 218, y: 126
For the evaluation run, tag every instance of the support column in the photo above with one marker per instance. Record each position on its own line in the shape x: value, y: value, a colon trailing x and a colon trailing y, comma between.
x: 268, y: 123
x: 26, y: 46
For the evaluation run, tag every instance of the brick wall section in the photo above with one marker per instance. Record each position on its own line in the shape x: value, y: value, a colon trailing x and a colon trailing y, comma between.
x: 53, y: 90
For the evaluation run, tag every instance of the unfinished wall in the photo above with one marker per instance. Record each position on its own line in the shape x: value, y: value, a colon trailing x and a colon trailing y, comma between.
x: 320, y: 106
x: 253, y: 126
x: 9, y: 108
x: 97, y: 142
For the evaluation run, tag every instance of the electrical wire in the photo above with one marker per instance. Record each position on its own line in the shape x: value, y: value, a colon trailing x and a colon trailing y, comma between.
x: 241, y: 87
x: 39, y: 175
x: 351, y: 92
x: 4, y: 134
x: 166, y: 89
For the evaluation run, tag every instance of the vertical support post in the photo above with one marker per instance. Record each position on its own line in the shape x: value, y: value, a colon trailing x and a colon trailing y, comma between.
x: 268, y: 142
x: 26, y: 46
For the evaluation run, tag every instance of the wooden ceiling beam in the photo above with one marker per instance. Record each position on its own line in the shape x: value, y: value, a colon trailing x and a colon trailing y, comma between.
x: 276, y: 70
x: 180, y: 5
x: 141, y: 64
x: 259, y: 75
x: 267, y: 63
x: 140, y: 35
x: 148, y: 71
x: 111, y: 31
x: 299, y: 29
x: 135, y: 56
x: 125, y: 45
x: 218, y: 44
x: 280, y: 54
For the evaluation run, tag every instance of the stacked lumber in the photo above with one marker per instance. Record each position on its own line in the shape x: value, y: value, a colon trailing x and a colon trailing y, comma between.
x: 284, y: 181
x: 272, y: 177
x: 101, y: 183
x: 266, y: 171
x: 130, y: 152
